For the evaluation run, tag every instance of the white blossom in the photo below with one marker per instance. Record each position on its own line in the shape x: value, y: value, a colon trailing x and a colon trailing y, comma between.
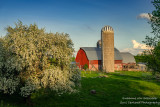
x: 31, y: 59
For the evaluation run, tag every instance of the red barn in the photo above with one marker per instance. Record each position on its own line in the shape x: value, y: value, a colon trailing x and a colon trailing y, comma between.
x: 92, y: 57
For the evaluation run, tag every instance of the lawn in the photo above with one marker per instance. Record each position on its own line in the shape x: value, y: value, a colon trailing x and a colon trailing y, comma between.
x: 121, y: 88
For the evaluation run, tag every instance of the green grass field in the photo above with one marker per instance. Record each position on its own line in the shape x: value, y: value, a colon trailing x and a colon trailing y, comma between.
x: 116, y: 89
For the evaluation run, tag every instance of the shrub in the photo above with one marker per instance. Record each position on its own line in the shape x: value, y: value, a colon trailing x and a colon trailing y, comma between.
x: 31, y: 59
x: 85, y: 67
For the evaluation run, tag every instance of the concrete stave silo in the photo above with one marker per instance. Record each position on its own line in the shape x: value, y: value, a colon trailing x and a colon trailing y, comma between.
x: 107, y: 40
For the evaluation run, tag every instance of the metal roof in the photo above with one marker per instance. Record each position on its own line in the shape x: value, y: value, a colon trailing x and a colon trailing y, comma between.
x: 128, y: 57
x: 94, y: 53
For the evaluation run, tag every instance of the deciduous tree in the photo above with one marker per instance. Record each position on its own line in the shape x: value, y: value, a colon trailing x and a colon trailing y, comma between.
x: 31, y: 59
x: 152, y: 56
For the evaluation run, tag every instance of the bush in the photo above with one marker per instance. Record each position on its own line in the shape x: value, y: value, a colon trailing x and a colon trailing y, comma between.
x: 26, y: 65
x: 85, y: 67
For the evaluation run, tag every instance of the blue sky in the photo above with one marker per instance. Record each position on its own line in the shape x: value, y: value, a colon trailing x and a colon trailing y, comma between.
x: 82, y: 19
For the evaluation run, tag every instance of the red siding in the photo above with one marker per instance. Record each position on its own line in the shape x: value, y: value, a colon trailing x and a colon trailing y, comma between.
x: 117, y: 67
x: 81, y: 59
x: 117, y: 61
x: 95, y: 65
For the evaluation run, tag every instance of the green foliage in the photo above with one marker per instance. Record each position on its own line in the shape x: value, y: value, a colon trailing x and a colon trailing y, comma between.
x: 85, y: 67
x: 140, y: 58
x: 73, y: 59
x: 31, y: 59
x: 152, y: 58
x: 152, y: 55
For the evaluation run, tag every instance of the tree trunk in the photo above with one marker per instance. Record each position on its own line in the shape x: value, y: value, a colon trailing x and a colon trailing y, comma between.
x: 28, y: 100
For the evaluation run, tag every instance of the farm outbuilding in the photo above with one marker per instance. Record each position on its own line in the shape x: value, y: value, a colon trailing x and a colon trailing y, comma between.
x: 92, y: 57
x: 105, y: 56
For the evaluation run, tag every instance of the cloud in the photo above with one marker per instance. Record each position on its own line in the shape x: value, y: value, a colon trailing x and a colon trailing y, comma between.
x: 137, y: 48
x: 137, y: 45
x: 132, y: 51
x: 145, y: 16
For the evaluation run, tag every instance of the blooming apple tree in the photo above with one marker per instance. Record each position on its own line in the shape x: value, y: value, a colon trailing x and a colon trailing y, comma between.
x: 31, y: 59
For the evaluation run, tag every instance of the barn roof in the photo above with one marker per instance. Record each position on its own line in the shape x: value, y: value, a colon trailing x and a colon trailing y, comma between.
x: 94, y: 53
x: 128, y: 57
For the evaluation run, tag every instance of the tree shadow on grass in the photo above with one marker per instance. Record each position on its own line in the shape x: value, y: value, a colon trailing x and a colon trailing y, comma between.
x: 14, y: 100
x: 142, y: 77
x: 110, y: 92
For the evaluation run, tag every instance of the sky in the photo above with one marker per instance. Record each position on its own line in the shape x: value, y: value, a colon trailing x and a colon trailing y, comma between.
x: 83, y: 19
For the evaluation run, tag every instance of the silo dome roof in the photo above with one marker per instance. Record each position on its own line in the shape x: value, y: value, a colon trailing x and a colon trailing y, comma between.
x: 99, y: 44
x: 107, y: 28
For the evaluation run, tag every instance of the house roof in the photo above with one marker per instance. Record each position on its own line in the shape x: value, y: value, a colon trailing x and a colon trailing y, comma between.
x: 94, y: 53
x: 127, y: 57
